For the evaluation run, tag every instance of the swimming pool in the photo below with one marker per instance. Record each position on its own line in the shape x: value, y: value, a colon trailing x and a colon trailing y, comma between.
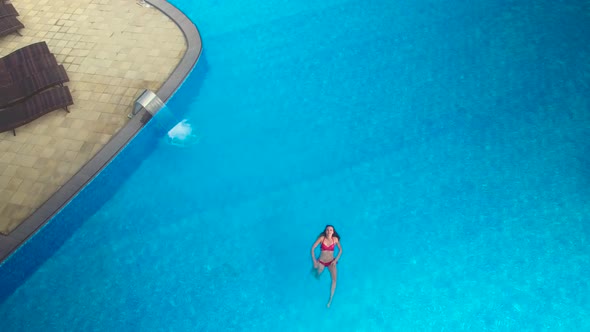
x: 446, y: 142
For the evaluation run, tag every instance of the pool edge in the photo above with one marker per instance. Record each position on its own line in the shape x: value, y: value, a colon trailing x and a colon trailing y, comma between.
x: 11, y: 242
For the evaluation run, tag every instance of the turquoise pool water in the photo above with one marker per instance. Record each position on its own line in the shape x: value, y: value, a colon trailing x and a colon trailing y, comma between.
x: 447, y: 143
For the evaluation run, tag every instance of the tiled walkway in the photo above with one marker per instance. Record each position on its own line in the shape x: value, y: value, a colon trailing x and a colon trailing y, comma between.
x: 111, y: 49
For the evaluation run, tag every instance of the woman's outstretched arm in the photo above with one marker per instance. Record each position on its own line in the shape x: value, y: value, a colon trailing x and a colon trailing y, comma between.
x: 339, y: 251
x: 315, y: 244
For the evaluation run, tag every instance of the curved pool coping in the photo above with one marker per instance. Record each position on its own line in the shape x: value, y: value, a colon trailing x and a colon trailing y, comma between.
x: 9, y: 243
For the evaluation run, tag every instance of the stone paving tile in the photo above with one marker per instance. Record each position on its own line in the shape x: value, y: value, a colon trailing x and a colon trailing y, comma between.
x: 111, y: 49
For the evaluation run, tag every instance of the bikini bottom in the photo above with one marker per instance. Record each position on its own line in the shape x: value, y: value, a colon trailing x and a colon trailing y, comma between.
x: 326, y: 264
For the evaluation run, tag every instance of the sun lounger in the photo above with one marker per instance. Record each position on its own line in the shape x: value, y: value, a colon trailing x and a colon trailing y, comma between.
x: 24, y: 62
x: 29, y: 86
x: 9, y: 25
x: 24, y: 54
x: 12, y: 74
x: 42, y: 103
x: 7, y: 10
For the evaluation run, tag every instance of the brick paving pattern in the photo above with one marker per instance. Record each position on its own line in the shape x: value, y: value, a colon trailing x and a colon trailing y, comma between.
x: 111, y: 49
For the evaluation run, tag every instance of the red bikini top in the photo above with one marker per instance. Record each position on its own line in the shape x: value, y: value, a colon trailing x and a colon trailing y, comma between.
x: 328, y: 248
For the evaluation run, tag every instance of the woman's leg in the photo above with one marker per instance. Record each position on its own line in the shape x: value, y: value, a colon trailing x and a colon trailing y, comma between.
x: 334, y: 273
x: 319, y: 269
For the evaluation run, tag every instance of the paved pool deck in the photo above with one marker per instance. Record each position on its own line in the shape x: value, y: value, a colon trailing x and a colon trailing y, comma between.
x: 112, y: 50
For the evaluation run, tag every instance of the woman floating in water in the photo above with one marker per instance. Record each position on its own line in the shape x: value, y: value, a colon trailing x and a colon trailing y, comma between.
x: 328, y: 239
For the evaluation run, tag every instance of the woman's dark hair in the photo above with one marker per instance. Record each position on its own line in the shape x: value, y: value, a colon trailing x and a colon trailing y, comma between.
x: 334, y: 235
